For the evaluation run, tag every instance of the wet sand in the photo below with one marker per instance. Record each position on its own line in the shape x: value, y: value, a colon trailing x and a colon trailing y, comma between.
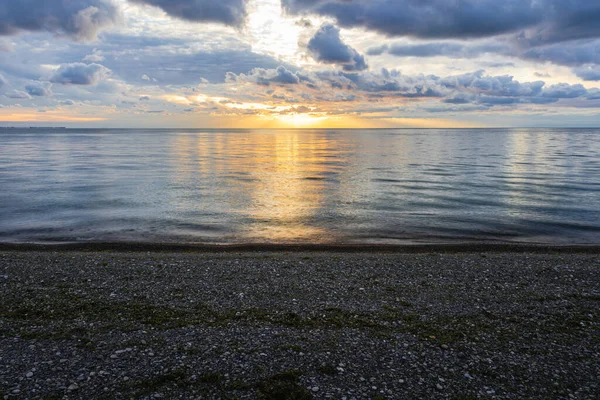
x: 180, y: 321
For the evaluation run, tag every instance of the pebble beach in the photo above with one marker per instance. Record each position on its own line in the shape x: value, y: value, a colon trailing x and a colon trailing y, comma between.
x: 299, y: 325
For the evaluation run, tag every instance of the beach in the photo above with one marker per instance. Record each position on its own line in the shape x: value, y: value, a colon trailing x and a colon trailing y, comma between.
x: 378, y: 323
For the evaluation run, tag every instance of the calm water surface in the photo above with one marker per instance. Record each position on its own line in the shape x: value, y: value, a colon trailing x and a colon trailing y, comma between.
x: 280, y: 186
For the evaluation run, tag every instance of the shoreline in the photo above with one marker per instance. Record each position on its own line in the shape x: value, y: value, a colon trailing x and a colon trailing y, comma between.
x: 416, y: 248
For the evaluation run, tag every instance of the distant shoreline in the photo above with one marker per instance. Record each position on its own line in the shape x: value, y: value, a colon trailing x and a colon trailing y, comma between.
x: 468, y: 247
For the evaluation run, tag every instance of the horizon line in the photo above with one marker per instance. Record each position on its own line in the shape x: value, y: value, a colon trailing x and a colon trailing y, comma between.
x: 301, y: 129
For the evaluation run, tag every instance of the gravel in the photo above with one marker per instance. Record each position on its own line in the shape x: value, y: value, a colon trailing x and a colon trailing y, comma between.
x: 299, y: 325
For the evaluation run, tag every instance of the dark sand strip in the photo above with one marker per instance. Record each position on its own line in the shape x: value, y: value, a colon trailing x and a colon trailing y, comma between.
x: 368, y: 325
x: 466, y: 247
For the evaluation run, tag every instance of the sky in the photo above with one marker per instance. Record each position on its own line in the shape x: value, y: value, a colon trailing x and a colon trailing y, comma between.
x: 300, y: 63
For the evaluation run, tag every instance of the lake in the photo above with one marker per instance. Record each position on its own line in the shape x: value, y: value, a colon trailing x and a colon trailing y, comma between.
x: 300, y: 186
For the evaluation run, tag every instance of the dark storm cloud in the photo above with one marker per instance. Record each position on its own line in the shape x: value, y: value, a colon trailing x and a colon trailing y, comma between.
x: 39, y: 89
x: 538, y: 21
x: 557, y: 31
x: 79, y: 74
x: 80, y: 19
x: 228, y: 12
x: 564, y: 20
x: 430, y: 19
x: 327, y: 47
x: 588, y: 72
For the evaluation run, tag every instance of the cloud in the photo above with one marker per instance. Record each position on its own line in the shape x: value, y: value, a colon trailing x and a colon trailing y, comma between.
x: 536, y: 21
x: 265, y: 77
x: 38, y: 89
x: 563, y: 21
x: 588, y: 72
x: 164, y: 60
x: 502, y: 85
x: 428, y: 19
x: 459, y: 98
x: 94, y: 58
x: 304, y: 23
x: 18, y: 94
x: 2, y: 81
x: 79, y: 74
x: 175, y: 62
x: 144, y: 98
x: 593, y: 94
x: 471, y: 88
x: 6, y: 46
x: 573, y: 53
x: 79, y: 19
x: 513, y: 92
x: 565, y: 91
x: 437, y: 49
x: 327, y: 47
x: 228, y: 12
x: 570, y: 54
x: 500, y: 64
